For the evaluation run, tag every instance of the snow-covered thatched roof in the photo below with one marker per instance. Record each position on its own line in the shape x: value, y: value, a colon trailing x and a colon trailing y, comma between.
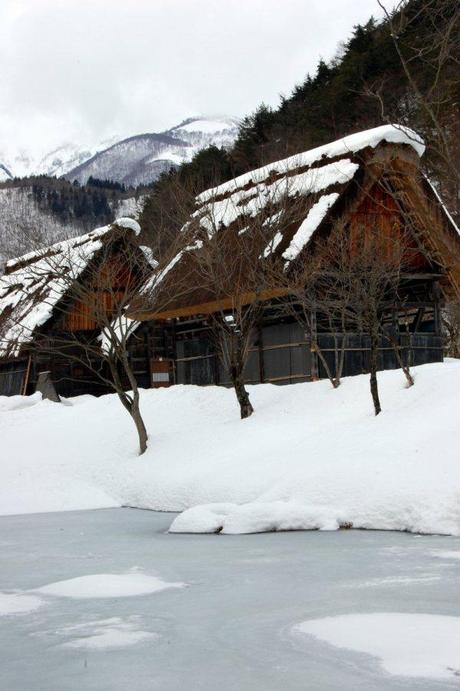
x: 321, y: 174
x: 347, y: 146
x: 34, y: 283
x: 291, y: 198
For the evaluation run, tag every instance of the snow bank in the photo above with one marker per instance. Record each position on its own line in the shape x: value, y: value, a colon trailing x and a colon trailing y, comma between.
x: 255, y: 517
x: 107, y: 585
x: 19, y: 402
x: 310, y: 456
x: 413, y: 645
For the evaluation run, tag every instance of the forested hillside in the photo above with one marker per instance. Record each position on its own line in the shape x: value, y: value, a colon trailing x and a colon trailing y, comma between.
x: 404, y: 69
x: 40, y: 210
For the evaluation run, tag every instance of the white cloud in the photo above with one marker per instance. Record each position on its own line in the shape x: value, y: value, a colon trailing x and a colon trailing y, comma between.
x: 86, y: 69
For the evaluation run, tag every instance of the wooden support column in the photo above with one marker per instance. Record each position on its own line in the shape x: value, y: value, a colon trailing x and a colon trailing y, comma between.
x: 314, y: 354
x: 260, y: 341
x: 437, y: 310
x: 26, y: 376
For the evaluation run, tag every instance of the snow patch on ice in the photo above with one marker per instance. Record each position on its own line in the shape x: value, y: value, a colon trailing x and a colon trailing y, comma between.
x: 105, y: 585
x: 446, y: 554
x: 18, y: 603
x: 413, y: 645
x: 104, y: 634
x: 395, y: 581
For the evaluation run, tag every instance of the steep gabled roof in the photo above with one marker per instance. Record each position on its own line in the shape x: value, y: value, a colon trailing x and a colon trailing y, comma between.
x: 321, y: 155
x: 34, y: 283
x: 295, y: 197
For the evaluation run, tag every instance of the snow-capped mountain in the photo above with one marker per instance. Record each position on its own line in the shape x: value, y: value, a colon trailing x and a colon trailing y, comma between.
x: 57, y: 162
x: 135, y: 160
x: 203, y: 132
x: 141, y: 159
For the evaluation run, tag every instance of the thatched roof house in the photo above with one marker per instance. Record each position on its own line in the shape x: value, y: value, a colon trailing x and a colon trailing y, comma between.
x: 369, y: 182
x: 368, y: 177
x: 36, y: 287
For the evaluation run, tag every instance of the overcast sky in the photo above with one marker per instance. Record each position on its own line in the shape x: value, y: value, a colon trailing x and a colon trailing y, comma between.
x: 84, y: 70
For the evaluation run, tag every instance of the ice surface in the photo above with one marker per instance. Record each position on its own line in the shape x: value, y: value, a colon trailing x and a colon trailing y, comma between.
x: 108, y: 585
x: 231, y: 628
x: 414, y: 645
x: 447, y: 555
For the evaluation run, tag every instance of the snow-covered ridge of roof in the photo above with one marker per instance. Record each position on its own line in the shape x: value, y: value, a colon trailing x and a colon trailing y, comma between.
x: 61, y: 247
x: 64, y: 246
x: 392, y: 134
x: 128, y: 223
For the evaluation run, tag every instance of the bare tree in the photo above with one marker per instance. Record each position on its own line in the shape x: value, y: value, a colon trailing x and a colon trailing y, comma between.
x: 426, y: 37
x: 314, y: 298
x: 451, y: 324
x: 236, y: 283
x: 343, y: 288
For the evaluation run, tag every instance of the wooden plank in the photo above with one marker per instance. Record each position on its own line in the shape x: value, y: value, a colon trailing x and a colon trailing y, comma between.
x: 210, y: 307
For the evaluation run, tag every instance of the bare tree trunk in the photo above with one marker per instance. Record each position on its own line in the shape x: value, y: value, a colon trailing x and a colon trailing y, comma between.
x: 246, y: 409
x: 140, y: 427
x: 405, y: 368
x: 131, y: 405
x: 316, y: 349
x: 338, y: 374
x: 135, y: 407
x: 373, y: 363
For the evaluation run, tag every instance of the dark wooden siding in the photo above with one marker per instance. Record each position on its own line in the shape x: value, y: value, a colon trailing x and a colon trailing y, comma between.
x: 12, y: 375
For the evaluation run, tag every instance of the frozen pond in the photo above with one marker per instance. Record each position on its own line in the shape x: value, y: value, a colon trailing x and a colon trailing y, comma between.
x: 232, y: 625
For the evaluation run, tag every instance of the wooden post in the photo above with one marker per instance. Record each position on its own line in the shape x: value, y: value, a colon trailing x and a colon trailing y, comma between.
x: 260, y: 341
x: 26, y: 376
x: 314, y: 354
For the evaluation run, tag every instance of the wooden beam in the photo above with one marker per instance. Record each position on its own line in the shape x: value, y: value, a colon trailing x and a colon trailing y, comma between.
x: 210, y: 307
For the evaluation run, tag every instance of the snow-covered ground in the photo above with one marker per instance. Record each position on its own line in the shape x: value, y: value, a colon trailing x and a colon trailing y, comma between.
x: 345, y: 610
x: 310, y: 456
